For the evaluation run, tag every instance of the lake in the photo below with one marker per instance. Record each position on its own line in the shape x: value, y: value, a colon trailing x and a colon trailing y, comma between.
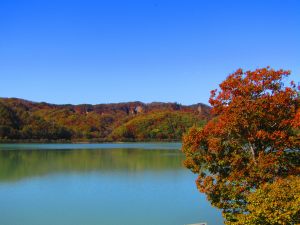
x: 99, y: 184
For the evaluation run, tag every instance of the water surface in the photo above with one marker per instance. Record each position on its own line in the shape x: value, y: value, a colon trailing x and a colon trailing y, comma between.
x: 103, y: 184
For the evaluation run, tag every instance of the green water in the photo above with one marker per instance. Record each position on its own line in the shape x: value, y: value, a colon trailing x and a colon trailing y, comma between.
x: 103, y: 184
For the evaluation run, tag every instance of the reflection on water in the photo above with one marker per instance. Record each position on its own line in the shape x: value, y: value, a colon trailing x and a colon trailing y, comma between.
x: 139, y: 184
x: 18, y: 164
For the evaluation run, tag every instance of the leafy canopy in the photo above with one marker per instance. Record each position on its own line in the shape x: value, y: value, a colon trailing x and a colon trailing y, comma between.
x: 273, y: 204
x: 251, y: 141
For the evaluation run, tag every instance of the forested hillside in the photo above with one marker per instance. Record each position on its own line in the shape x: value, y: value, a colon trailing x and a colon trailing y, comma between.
x: 133, y: 121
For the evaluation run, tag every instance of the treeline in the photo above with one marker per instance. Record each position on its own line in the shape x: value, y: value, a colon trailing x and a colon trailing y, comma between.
x: 132, y: 121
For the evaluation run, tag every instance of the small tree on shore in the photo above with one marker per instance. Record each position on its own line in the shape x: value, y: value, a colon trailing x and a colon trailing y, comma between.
x: 251, y: 141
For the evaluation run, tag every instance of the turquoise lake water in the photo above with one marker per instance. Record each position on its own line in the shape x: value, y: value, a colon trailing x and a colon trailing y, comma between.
x: 99, y: 184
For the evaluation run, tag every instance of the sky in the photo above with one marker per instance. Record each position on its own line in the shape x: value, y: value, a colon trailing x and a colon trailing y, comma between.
x: 104, y: 51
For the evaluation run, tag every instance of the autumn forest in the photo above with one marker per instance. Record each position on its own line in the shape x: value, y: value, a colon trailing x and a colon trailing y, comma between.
x: 132, y: 121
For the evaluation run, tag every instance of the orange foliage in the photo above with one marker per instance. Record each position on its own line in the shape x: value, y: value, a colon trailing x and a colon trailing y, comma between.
x: 251, y: 141
x: 131, y: 121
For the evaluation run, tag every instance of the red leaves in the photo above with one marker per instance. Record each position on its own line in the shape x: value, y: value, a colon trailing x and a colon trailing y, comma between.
x: 252, y: 139
x: 249, y: 85
x: 214, y: 144
x: 296, y: 121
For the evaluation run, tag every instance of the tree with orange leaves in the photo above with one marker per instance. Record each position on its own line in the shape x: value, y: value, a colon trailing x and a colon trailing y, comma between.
x: 252, y: 139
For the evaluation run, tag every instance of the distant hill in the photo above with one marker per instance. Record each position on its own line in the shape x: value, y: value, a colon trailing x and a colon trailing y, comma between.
x: 130, y: 121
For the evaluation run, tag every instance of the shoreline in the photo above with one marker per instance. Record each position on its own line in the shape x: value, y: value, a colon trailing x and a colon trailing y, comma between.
x: 80, y: 141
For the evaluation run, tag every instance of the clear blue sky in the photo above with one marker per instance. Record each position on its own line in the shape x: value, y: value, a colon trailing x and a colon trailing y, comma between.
x: 100, y: 51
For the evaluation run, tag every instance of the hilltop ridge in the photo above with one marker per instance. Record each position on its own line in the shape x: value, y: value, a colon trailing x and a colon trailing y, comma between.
x: 127, y: 121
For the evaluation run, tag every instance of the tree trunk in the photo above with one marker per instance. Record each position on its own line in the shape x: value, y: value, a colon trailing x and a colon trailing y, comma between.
x: 252, y: 152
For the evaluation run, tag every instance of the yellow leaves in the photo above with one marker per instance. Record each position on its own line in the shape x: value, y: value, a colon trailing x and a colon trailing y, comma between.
x: 190, y: 164
x: 273, y: 204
